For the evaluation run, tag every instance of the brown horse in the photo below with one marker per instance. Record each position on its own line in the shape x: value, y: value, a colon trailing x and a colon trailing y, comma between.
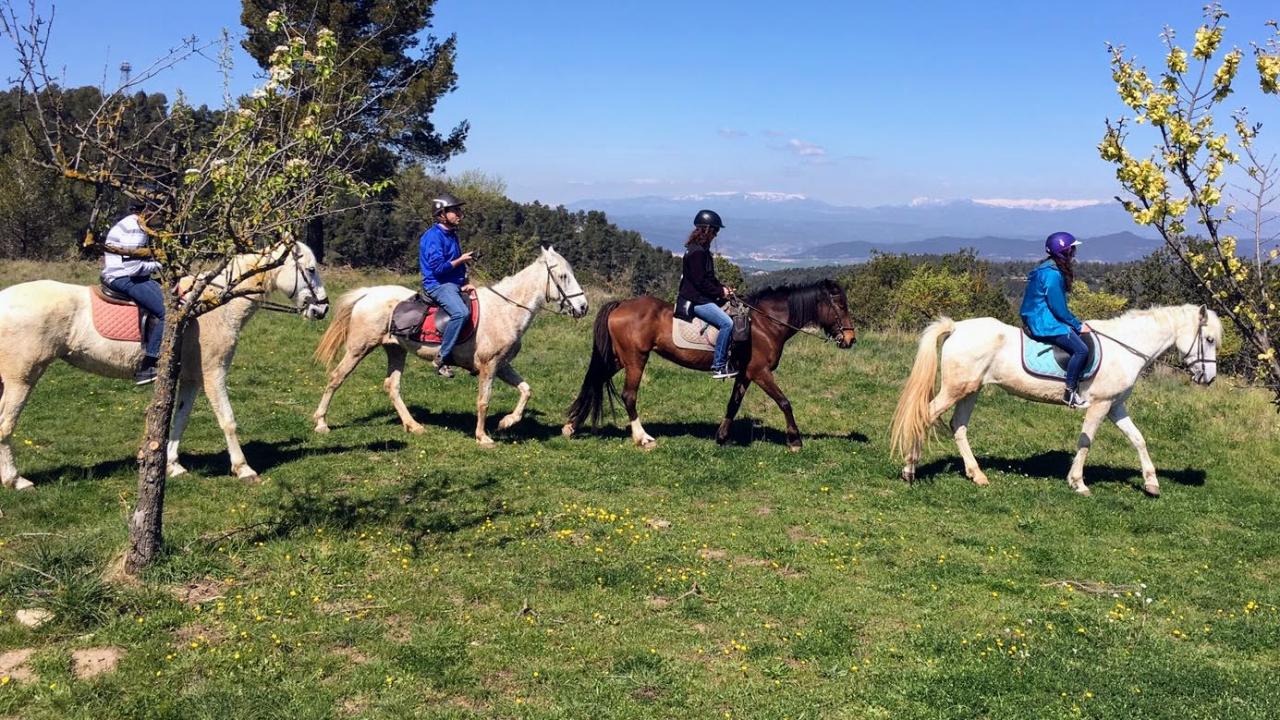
x: 627, y: 331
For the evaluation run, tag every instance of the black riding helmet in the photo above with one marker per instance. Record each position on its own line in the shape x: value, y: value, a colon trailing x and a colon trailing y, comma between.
x: 708, y: 217
x: 443, y: 202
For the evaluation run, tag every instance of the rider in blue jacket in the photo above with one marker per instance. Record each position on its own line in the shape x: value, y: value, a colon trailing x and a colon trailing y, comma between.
x: 1046, y: 315
x: 444, y: 274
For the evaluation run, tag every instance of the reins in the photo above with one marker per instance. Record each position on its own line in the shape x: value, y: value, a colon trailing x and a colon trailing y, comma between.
x: 823, y: 337
x: 565, y: 297
x: 1149, y: 359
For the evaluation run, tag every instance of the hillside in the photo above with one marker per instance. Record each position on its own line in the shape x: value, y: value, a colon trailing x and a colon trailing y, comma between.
x: 378, y: 574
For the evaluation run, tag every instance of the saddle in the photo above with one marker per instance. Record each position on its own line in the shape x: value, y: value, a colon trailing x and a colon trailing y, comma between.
x: 1047, y: 361
x: 419, y: 319
x: 116, y: 316
x: 692, y: 333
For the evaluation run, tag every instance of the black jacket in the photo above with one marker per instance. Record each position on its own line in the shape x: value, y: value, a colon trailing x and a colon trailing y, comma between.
x: 698, y: 283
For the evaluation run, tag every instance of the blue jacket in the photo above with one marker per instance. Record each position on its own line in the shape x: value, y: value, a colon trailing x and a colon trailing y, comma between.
x: 437, y: 249
x: 1044, y: 306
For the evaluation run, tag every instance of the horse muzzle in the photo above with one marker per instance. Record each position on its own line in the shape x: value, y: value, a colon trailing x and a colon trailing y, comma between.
x: 316, y: 311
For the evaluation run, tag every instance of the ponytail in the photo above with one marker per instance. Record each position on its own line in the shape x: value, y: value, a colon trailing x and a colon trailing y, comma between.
x: 1065, y: 267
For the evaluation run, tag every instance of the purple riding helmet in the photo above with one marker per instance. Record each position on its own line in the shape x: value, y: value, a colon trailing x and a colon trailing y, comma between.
x: 1059, y: 244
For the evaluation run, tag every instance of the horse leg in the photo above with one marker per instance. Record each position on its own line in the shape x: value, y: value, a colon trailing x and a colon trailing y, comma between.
x: 1120, y: 416
x: 182, y: 414
x: 508, y: 375
x: 14, y: 397
x: 740, y: 385
x: 1092, y: 419
x: 395, y: 368
x: 960, y: 431
x: 337, y: 376
x: 937, y: 406
x: 485, y: 389
x: 767, y: 383
x: 635, y: 372
x: 215, y: 387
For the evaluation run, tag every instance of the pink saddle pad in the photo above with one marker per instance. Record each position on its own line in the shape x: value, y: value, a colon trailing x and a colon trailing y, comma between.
x: 113, y: 319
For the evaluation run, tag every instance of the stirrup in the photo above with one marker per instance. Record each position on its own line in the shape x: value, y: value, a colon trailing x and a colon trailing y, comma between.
x: 1072, y: 399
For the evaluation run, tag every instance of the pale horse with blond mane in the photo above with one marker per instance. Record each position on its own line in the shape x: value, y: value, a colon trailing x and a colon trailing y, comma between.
x: 363, y: 316
x: 46, y: 320
x: 985, y: 351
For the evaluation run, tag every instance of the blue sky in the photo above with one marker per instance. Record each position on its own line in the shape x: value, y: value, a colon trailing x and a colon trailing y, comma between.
x: 852, y: 103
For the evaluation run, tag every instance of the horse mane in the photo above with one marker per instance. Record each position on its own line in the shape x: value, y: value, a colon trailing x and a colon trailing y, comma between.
x: 803, y: 301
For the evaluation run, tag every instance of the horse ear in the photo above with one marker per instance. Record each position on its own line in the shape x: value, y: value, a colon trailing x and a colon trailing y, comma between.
x: 1204, y: 314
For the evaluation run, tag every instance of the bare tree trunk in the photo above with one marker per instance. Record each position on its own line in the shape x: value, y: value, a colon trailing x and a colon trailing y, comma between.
x: 146, y: 522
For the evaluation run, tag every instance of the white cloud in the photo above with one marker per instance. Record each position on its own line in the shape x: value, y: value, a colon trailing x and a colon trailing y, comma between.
x: 927, y: 202
x: 803, y: 148
x: 1036, y: 203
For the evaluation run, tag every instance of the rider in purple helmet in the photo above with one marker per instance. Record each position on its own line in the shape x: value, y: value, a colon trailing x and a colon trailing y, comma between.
x: 1046, y: 316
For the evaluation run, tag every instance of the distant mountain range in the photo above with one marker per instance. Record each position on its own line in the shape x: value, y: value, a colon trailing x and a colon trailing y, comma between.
x: 773, y: 229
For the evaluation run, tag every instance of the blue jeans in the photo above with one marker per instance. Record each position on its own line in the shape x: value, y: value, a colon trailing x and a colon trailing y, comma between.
x: 449, y: 297
x: 150, y: 297
x: 1072, y: 343
x: 720, y: 320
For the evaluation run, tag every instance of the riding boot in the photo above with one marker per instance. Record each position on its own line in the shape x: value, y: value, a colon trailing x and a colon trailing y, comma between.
x: 1072, y: 399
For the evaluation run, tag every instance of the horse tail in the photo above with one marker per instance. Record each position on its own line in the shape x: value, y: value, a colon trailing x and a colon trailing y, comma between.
x: 336, y: 336
x: 911, y: 420
x: 599, y: 378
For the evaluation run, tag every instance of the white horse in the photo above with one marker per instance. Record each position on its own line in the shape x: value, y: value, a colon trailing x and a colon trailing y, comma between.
x: 45, y: 320
x: 363, y: 318
x: 985, y: 351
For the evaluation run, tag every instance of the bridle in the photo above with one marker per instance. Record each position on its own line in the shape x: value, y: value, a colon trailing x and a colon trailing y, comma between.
x: 565, y: 300
x: 306, y: 282
x: 827, y: 336
x: 1197, y: 348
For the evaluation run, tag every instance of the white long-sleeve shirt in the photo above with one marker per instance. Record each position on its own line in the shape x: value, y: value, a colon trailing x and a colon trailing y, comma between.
x: 127, y: 235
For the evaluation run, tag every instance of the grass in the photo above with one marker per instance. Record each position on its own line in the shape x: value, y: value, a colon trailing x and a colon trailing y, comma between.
x: 377, y: 574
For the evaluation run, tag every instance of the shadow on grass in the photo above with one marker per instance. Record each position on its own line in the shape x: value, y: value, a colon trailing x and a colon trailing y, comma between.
x: 1054, y: 465
x: 433, y: 507
x: 531, y: 426
x: 744, y: 431
x: 262, y: 456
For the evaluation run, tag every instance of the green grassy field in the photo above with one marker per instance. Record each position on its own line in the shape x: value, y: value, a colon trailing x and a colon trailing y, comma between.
x: 377, y: 574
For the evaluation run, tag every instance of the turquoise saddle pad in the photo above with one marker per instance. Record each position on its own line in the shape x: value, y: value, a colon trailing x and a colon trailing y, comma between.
x: 1048, y: 361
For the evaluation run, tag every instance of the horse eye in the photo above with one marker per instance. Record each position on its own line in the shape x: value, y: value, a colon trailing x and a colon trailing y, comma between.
x: 1210, y: 340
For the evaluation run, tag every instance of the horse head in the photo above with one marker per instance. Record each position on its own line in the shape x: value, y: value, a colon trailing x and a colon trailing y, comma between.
x: 833, y: 315
x: 562, y: 287
x: 299, y: 277
x: 1197, y: 336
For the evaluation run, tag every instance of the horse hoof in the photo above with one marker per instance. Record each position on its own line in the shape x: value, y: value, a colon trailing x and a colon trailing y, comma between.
x: 1152, y: 489
x: 486, y: 443
x: 321, y: 428
x: 23, y: 484
x: 175, y: 470
x: 1081, y: 489
x: 415, y: 428
x: 567, y: 430
x: 794, y: 448
x: 250, y: 479
x: 507, y: 422
x: 647, y: 443
x: 907, y: 476
x: 980, y: 479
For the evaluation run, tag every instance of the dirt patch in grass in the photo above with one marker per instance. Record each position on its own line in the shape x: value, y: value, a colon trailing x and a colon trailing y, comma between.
x: 648, y: 693
x: 91, y: 662
x: 350, y: 654
x: 799, y: 533
x: 764, y: 510
x: 353, y: 706
x: 199, y: 632
x: 199, y: 591
x: 13, y: 664
x: 712, y: 554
